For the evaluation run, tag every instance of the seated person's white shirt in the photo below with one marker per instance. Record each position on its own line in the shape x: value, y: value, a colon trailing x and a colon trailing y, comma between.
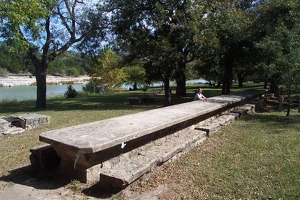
x: 199, y: 96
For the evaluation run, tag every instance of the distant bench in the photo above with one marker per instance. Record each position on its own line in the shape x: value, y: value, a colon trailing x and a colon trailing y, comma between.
x: 85, y: 149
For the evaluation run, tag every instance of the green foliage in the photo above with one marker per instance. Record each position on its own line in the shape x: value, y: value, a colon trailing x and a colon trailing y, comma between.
x: 13, y: 58
x: 225, y: 40
x: 3, y: 72
x: 71, y: 92
x: 280, y: 48
x: 74, y: 185
x: 93, y: 86
x: 135, y: 75
x: 105, y: 66
x: 72, y: 71
x: 26, y: 14
x: 155, y: 34
x: 69, y: 63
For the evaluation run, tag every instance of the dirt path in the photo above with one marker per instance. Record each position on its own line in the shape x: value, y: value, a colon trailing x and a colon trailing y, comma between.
x: 33, y: 189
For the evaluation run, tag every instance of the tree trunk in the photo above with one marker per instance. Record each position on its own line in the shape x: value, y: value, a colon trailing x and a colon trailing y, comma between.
x: 41, y: 86
x: 135, y: 86
x: 168, y: 93
x: 289, y: 101
x: 266, y: 82
x: 274, y: 87
x: 241, y: 80
x: 227, y: 79
x: 227, y: 62
x: 181, y: 80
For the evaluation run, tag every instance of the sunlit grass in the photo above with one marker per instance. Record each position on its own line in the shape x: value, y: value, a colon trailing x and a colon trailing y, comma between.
x: 256, y: 157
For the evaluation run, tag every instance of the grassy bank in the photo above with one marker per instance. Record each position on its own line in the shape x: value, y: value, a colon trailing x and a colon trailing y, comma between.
x: 256, y: 157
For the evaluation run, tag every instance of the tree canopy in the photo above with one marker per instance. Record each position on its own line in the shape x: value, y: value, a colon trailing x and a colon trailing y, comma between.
x: 14, y: 59
x: 106, y: 70
x: 135, y: 75
x: 46, y: 29
x: 157, y: 35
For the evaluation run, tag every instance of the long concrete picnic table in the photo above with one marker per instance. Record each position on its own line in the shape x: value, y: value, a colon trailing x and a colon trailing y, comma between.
x: 89, y: 144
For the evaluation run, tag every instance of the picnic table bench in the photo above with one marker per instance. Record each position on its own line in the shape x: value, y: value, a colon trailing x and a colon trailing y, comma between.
x: 98, y: 150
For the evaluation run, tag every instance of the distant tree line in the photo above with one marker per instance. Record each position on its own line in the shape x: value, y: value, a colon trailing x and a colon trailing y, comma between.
x: 70, y: 63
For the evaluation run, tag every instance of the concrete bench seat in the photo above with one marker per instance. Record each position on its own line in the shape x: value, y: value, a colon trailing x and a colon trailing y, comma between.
x: 133, y: 165
x: 85, y: 148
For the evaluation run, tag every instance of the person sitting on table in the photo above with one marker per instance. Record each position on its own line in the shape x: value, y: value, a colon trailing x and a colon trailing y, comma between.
x: 199, y: 95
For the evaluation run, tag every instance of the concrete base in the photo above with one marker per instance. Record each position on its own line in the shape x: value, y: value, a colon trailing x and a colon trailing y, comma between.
x: 44, y: 158
x: 133, y: 165
x: 20, y: 123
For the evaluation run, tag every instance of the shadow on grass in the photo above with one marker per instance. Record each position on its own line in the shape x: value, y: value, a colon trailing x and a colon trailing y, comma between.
x: 82, y: 102
x: 51, y: 180
x: 26, y: 176
x: 98, y: 191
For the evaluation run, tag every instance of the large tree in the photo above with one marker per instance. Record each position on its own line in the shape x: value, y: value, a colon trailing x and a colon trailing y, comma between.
x: 278, y: 24
x: 106, y: 71
x: 223, y: 37
x: 159, y: 33
x: 46, y: 29
x: 135, y: 75
x: 280, y: 48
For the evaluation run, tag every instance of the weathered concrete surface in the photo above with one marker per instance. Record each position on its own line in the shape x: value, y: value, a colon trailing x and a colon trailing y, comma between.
x: 32, y: 120
x: 21, y: 122
x: 84, y: 148
x: 130, y: 166
x: 133, y: 165
x: 213, y: 127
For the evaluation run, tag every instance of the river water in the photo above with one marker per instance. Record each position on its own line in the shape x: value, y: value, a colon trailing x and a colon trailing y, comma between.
x: 29, y: 92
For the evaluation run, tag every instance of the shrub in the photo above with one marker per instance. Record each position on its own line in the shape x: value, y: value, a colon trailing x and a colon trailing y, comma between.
x: 3, y: 72
x: 71, y: 92
x: 92, y: 87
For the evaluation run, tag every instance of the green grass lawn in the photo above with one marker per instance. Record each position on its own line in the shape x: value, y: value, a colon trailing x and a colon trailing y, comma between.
x: 256, y: 157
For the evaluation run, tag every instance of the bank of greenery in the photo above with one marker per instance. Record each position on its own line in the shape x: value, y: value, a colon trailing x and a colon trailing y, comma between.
x: 255, y: 157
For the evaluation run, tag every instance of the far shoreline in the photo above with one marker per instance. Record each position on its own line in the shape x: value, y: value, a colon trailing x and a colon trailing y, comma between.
x: 29, y: 80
